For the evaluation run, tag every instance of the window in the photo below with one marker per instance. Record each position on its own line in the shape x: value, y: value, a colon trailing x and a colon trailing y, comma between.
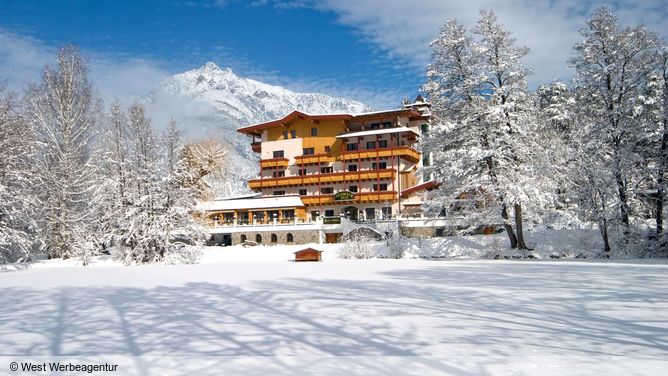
x: 278, y: 174
x: 352, y: 167
x: 374, y: 126
x: 329, y: 213
x: 301, y: 172
x: 314, y: 131
x: 379, y: 165
x: 290, y: 238
x: 326, y: 170
x: 302, y: 192
x: 308, y: 151
x: 274, y: 238
x: 370, y: 213
x: 351, y: 147
x: 380, y: 187
x: 371, y: 144
x: 382, y: 143
x: 285, y: 135
x: 258, y: 216
x: 289, y: 214
x: 326, y: 190
x: 279, y: 193
x: 327, y: 149
x: 387, y: 124
x: 242, y: 218
x: 387, y: 212
x: 243, y: 238
x: 278, y: 153
x: 293, y: 134
x: 352, y: 188
x: 258, y: 238
x: 425, y: 161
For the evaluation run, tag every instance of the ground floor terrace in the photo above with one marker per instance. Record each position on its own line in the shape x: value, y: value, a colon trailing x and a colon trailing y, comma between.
x: 328, y: 229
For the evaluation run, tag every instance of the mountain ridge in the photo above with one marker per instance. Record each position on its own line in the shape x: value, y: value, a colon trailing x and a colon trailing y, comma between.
x: 214, y: 101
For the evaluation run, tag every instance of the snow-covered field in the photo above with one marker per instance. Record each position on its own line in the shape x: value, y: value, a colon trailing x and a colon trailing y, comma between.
x: 234, y: 314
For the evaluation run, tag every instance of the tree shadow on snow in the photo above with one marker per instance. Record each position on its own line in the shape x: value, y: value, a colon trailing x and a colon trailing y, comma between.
x: 444, y: 311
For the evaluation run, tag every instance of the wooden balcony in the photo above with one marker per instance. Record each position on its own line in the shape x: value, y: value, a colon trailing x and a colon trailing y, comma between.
x: 405, y: 152
x: 313, y: 159
x: 332, y: 178
x: 256, y: 146
x: 274, y: 163
x: 389, y: 196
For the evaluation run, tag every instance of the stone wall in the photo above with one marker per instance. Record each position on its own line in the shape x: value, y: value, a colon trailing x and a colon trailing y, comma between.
x: 298, y: 237
x: 426, y: 232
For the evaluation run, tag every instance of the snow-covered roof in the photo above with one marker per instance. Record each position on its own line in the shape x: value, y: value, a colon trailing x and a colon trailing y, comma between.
x: 249, y: 195
x: 377, y: 131
x: 267, y: 202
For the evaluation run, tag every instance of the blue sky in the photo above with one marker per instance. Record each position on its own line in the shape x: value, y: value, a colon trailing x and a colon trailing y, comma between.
x: 370, y: 50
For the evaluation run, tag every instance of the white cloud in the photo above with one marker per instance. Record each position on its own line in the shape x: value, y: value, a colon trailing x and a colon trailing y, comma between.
x: 405, y: 28
x: 22, y: 59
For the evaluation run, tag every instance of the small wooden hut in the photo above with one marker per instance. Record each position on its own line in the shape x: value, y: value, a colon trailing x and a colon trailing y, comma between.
x: 308, y: 254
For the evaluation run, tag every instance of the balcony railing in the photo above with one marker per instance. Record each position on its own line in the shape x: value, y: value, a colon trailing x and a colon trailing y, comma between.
x: 359, y: 198
x: 313, y: 159
x: 274, y: 163
x: 406, y: 152
x: 329, y: 178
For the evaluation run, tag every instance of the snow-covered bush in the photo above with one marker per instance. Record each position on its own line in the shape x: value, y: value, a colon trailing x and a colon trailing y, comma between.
x: 358, y: 247
x: 396, y: 246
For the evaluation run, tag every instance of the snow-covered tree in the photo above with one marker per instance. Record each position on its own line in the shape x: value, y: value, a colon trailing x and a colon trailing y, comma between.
x: 208, y: 161
x: 651, y: 111
x: 485, y: 154
x: 17, y: 201
x: 111, y: 197
x: 612, y: 64
x: 64, y: 111
x: 661, y: 115
x: 159, y: 221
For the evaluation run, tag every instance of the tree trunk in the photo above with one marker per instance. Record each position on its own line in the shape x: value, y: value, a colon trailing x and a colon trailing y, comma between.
x: 603, y: 226
x: 659, y: 205
x: 518, y: 227
x: 621, y: 191
x: 508, y: 227
x: 660, y: 179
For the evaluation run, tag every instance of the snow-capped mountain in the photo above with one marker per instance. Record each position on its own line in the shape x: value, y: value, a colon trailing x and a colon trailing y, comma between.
x: 214, y: 101
x: 248, y: 100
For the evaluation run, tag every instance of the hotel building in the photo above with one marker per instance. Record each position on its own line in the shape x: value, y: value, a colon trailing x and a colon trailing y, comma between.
x: 328, y: 172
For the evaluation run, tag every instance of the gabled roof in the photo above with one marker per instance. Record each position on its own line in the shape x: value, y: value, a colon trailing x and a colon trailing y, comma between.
x: 379, y: 115
x: 427, y: 186
x: 378, y: 131
x: 256, y: 129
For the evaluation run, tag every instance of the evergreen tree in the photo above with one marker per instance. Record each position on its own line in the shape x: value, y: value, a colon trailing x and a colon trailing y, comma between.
x: 486, y: 156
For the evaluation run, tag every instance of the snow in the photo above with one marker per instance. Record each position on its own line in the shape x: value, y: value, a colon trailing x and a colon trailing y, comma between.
x: 252, y: 311
x: 253, y: 203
